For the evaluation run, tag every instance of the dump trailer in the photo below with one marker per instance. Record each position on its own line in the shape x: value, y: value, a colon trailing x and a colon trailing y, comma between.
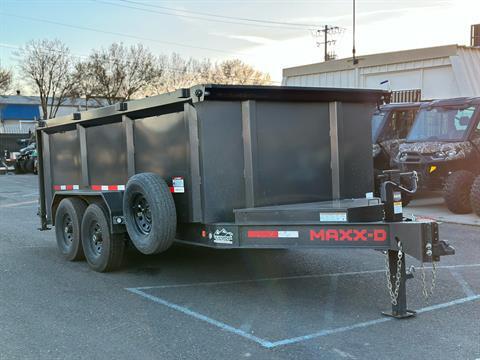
x: 227, y: 167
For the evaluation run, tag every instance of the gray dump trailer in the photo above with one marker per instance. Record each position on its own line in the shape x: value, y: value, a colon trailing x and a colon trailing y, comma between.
x: 226, y: 167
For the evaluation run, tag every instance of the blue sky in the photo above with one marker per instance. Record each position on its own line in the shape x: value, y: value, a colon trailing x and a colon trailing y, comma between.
x: 382, y: 25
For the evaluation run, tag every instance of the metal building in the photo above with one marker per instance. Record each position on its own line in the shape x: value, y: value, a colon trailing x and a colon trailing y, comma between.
x: 434, y: 73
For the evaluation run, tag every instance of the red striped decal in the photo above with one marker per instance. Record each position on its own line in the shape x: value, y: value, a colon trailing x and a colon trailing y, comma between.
x: 108, y: 187
x: 65, y: 187
x: 262, y: 233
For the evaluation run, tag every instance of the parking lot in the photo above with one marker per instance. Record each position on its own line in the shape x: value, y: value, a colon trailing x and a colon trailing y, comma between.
x: 192, y: 303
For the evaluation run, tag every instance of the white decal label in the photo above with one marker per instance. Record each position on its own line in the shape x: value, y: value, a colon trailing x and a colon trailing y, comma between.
x: 288, y: 234
x: 397, y: 207
x: 333, y: 217
x: 222, y: 237
x: 178, y: 184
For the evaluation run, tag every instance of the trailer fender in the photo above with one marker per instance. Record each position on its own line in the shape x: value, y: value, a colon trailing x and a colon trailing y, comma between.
x: 113, y: 200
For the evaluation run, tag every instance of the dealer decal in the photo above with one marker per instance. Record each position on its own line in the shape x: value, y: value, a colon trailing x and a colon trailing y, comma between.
x: 355, y: 234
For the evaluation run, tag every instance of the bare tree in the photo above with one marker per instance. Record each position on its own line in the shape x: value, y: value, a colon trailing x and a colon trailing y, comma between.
x: 118, y: 73
x: 236, y: 72
x: 180, y: 72
x: 47, y: 64
x: 5, y: 80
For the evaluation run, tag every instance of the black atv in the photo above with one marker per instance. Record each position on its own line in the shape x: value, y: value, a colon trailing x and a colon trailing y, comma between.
x: 26, y: 161
x: 390, y: 126
x: 443, y: 146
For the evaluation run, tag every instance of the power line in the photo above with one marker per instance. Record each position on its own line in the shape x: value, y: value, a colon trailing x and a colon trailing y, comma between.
x: 84, y: 28
x: 260, y: 21
x: 193, y: 17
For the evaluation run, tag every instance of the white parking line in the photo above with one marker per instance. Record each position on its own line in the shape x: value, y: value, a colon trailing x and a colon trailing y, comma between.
x: 294, y: 277
x: 19, y: 204
x: 272, y: 344
x: 461, y: 281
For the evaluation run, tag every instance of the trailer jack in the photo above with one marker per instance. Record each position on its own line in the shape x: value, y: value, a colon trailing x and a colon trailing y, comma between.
x: 397, y: 277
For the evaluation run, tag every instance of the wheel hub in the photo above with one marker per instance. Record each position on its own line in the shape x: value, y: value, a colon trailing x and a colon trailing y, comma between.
x: 96, y: 238
x: 68, y: 230
x: 142, y: 214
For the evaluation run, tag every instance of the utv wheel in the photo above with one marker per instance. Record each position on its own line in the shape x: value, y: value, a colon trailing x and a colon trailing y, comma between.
x: 18, y: 168
x: 68, y: 220
x: 475, y: 196
x: 103, y: 250
x: 29, y: 166
x: 457, y: 192
x: 150, y: 214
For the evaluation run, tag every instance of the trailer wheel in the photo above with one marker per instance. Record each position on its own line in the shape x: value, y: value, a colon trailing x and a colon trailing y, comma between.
x: 103, y: 250
x: 475, y: 196
x: 150, y: 214
x: 68, y: 219
x: 457, y: 192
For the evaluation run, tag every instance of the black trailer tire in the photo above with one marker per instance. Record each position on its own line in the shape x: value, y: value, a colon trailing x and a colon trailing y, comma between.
x: 68, y: 220
x: 475, y: 196
x: 29, y: 166
x: 103, y: 250
x: 150, y: 214
x: 457, y: 192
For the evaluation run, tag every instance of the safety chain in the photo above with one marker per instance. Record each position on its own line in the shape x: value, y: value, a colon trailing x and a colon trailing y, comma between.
x: 427, y: 293
x: 394, y: 292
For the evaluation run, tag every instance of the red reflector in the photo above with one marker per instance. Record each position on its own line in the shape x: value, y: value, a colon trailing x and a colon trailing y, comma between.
x: 204, y: 233
x: 262, y: 233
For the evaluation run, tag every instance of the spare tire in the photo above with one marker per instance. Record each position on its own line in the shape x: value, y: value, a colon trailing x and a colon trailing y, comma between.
x: 457, y: 192
x: 150, y: 214
x: 475, y: 196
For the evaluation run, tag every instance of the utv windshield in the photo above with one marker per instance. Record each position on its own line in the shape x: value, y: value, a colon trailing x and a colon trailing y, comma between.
x: 377, y: 121
x: 441, y: 124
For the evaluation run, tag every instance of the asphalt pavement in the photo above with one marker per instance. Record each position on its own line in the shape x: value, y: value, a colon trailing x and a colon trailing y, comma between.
x: 198, y: 303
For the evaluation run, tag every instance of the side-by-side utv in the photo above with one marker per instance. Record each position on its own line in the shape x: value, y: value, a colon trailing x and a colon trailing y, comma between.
x: 443, y: 146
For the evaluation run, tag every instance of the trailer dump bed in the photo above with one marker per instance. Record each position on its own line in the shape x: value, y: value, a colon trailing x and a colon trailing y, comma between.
x: 223, y: 166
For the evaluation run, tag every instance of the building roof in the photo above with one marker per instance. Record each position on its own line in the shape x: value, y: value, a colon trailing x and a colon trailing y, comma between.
x: 376, y: 60
x: 19, y: 100
x: 35, y: 100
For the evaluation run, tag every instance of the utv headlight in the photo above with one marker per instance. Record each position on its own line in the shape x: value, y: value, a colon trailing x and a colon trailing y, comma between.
x: 439, y: 155
x: 452, y: 153
x: 376, y: 149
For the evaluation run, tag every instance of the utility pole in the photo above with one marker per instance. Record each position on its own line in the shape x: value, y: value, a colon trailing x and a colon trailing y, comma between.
x: 355, y: 61
x: 327, y: 31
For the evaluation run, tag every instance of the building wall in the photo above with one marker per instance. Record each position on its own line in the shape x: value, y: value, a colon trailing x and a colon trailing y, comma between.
x: 455, y: 75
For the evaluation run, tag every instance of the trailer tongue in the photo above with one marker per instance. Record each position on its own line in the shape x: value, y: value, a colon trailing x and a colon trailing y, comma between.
x: 227, y: 167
